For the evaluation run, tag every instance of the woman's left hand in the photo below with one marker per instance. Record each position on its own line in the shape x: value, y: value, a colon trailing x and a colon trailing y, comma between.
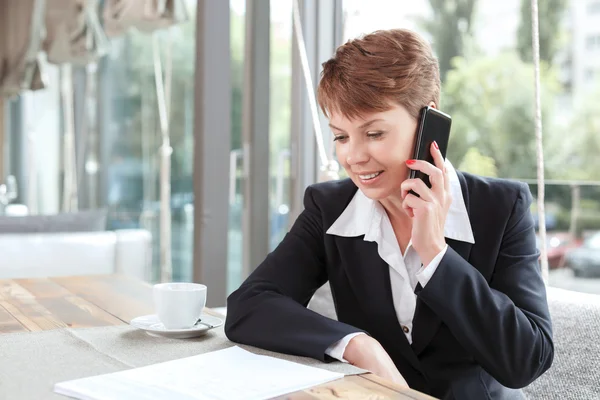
x: 429, y: 211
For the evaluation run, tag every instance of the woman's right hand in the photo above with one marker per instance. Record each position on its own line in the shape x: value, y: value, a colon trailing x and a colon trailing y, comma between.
x: 367, y: 353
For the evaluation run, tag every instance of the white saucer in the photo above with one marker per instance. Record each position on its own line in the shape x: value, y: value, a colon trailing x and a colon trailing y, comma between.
x: 152, y: 325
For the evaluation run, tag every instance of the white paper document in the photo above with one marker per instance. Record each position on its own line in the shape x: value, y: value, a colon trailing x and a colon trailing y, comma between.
x: 228, y: 374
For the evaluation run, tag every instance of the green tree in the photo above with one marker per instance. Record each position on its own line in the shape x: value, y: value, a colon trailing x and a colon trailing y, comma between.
x: 491, y: 102
x: 135, y: 123
x: 449, y: 27
x: 550, y: 13
x: 476, y: 163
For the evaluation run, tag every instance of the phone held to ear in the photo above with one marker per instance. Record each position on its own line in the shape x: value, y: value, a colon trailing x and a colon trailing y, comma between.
x: 434, y: 125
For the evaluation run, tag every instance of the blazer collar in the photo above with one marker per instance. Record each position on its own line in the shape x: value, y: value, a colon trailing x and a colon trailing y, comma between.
x: 363, y: 216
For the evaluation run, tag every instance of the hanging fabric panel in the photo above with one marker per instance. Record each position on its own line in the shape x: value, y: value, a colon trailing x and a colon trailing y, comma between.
x: 21, y: 28
x: 144, y: 15
x: 74, y: 33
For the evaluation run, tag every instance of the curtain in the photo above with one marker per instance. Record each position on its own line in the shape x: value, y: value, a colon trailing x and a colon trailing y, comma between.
x: 21, y: 27
x: 145, y: 15
x: 74, y: 34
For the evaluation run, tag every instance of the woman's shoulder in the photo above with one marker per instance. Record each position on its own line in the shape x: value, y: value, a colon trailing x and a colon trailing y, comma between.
x: 330, y: 196
x: 493, y: 190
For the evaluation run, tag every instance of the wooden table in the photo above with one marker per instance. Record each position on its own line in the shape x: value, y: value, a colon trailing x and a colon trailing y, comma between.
x: 93, y: 301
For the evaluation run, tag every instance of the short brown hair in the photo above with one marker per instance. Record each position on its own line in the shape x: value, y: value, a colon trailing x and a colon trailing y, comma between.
x: 368, y: 73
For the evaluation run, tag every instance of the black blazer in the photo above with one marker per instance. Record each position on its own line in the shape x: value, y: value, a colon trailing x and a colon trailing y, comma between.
x: 481, y: 324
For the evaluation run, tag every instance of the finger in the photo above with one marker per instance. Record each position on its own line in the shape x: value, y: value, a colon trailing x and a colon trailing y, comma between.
x: 414, y: 202
x: 446, y: 179
x: 417, y: 205
x: 417, y: 186
x: 436, y: 176
x: 438, y: 158
x: 406, y: 204
x: 408, y: 211
x: 440, y: 163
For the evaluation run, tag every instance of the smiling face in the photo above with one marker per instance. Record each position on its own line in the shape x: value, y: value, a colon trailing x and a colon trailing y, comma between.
x: 373, y: 90
x: 373, y: 149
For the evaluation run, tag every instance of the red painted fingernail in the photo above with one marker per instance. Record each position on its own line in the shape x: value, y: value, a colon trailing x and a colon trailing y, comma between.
x: 410, y: 162
x: 436, y: 145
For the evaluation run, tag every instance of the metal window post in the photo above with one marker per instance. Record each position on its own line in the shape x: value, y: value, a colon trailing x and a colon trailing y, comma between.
x: 255, y: 135
x: 212, y: 131
x: 3, y: 124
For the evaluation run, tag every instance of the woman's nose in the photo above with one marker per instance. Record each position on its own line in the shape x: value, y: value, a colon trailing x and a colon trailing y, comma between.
x: 357, y: 154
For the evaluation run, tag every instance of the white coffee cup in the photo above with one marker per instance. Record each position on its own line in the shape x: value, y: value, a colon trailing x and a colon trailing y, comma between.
x: 179, y: 304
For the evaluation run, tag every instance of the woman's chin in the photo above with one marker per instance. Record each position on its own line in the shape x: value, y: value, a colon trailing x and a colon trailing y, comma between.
x: 375, y: 193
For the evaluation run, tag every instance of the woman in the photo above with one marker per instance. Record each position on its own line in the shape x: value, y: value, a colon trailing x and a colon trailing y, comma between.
x: 441, y: 292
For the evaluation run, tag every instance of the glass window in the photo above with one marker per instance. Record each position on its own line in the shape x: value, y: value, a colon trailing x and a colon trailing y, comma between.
x: 589, y: 75
x: 130, y: 137
x: 593, y: 42
x: 593, y: 7
x: 236, y: 188
x: 486, y: 63
x: 279, y: 130
x: 280, y: 118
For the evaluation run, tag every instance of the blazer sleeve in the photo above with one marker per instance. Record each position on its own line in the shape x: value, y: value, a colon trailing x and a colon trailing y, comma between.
x: 269, y: 309
x: 505, y: 325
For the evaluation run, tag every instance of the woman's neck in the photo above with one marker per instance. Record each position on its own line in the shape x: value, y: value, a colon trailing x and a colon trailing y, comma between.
x: 400, y: 220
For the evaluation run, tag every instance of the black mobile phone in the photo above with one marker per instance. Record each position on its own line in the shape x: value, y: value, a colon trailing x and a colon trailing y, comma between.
x: 434, y: 125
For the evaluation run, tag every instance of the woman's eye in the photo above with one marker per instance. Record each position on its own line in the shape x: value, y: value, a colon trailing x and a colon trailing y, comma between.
x: 374, y: 135
x: 340, y: 138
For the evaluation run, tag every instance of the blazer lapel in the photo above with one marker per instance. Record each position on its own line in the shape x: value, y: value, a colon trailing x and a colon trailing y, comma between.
x: 369, y: 277
x: 425, y: 322
x: 462, y: 248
